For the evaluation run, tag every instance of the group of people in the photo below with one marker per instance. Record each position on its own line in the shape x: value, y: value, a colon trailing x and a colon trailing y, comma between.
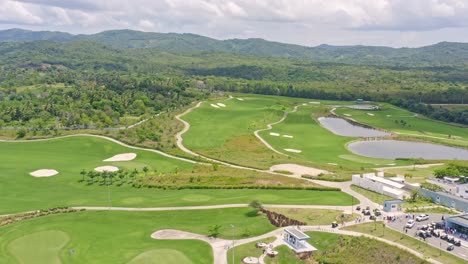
x: 455, y: 232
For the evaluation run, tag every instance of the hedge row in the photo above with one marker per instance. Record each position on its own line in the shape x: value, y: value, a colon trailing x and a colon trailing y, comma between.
x: 261, y: 187
x: 9, y: 219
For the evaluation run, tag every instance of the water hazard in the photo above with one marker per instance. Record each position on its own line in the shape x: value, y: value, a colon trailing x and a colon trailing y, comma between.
x: 392, y: 149
x: 342, y: 127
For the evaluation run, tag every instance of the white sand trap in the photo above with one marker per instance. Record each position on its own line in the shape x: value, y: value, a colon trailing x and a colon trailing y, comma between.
x: 334, y: 164
x: 287, y: 136
x: 215, y: 106
x: 106, y: 168
x: 240, y: 99
x: 304, y: 104
x: 370, y: 114
x: 314, y: 102
x: 293, y: 150
x: 389, y: 115
x: 347, y: 114
x: 44, y: 173
x: 220, y: 104
x: 122, y: 157
x: 297, y: 170
x: 274, y: 134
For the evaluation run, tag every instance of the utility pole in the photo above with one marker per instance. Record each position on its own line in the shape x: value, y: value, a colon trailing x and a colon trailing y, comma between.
x: 233, y: 232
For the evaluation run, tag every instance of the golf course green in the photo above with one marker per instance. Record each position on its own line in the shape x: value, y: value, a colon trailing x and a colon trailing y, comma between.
x: 23, y: 192
x: 122, y: 237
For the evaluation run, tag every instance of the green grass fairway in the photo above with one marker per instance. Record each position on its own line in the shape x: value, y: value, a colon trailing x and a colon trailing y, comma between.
x: 121, y: 237
x: 22, y: 192
x: 40, y: 247
x: 316, y: 142
x: 227, y: 133
x: 415, y: 125
x: 170, y: 256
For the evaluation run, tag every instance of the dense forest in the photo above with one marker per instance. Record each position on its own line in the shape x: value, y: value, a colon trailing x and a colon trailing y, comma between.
x: 48, y: 79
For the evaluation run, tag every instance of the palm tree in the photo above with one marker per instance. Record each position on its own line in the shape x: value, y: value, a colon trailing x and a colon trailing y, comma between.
x: 83, y: 173
x: 145, y: 170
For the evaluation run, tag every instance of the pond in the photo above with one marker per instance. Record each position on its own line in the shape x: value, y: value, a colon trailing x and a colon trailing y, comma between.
x: 392, y: 149
x: 341, y: 127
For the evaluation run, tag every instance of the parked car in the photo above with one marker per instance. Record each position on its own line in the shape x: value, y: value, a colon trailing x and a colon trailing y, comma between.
x: 367, y: 208
x: 450, y: 239
x: 410, y: 223
x: 422, y: 217
x: 377, y: 212
x: 366, y: 212
x: 443, y: 236
x: 372, y: 217
x: 358, y: 208
x: 457, y: 242
x: 450, y: 247
x: 421, y: 233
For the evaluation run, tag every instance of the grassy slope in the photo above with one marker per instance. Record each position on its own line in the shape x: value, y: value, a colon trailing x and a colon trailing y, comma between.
x: 118, y: 237
x: 247, y: 250
x: 227, y: 133
x: 22, y: 192
x: 407, y: 241
x: 373, y: 196
x: 316, y: 142
x: 418, y: 175
x: 420, y: 126
x: 314, y: 216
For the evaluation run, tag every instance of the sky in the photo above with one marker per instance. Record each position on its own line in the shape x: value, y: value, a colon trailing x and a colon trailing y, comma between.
x: 396, y: 23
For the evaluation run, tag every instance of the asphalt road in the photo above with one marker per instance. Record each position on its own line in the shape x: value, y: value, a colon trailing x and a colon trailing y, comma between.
x: 399, y: 225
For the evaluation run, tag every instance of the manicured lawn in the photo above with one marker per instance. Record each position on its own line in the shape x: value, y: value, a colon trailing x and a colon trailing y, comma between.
x: 247, y: 250
x: 121, y: 237
x: 316, y: 143
x: 226, y: 133
x: 418, y: 175
x: 395, y: 236
x: 22, y: 192
x: 373, y: 196
x: 314, y: 216
x: 416, y: 125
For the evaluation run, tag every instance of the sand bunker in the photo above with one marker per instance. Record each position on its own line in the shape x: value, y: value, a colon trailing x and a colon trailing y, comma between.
x: 215, y: 106
x: 389, y: 115
x: 274, y: 134
x: 106, y: 168
x: 240, y: 99
x: 220, y: 104
x: 330, y: 163
x: 304, y: 104
x: 293, y: 150
x: 122, y: 157
x: 370, y: 114
x: 287, y: 136
x: 314, y: 102
x: 297, y: 170
x: 44, y: 173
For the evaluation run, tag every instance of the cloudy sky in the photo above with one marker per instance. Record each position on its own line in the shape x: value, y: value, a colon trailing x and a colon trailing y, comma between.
x: 307, y: 22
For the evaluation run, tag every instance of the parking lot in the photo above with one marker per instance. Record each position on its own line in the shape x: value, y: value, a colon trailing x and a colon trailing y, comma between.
x: 399, y: 225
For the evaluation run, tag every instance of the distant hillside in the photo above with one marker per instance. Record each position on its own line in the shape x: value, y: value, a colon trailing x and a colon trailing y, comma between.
x: 441, y: 54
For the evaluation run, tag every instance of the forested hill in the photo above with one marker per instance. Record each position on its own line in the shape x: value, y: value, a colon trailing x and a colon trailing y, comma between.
x: 441, y: 54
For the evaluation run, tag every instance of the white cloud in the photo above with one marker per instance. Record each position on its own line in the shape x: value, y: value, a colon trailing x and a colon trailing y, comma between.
x: 297, y: 21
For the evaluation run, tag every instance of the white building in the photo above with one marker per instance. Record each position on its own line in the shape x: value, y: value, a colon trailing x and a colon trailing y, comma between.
x: 379, y: 184
x: 462, y: 190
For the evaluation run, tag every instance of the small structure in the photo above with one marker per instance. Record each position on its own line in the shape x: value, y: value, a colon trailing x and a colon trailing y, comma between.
x: 296, y: 240
x: 392, y: 205
x: 451, y: 180
x: 458, y: 222
x: 359, y: 100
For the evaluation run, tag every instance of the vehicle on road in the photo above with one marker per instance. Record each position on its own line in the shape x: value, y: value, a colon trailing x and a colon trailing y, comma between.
x: 422, y: 217
x: 457, y: 242
x: 410, y: 223
x: 358, y: 208
x: 450, y: 247
x: 377, y: 212
x: 334, y: 224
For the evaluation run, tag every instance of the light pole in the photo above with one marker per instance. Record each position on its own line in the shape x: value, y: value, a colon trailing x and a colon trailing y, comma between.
x: 109, y: 195
x: 72, y: 251
x: 233, y: 232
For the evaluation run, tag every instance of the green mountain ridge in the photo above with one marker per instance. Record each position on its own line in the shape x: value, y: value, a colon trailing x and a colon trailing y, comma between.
x: 440, y: 54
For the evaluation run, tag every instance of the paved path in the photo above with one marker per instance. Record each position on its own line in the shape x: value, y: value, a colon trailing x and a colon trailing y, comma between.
x: 208, y: 207
x: 221, y: 246
x: 420, y: 166
x: 269, y: 127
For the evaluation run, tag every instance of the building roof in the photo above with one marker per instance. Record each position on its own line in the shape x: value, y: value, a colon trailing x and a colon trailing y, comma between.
x: 297, y: 233
x: 394, y: 201
x: 391, y: 190
x: 386, y: 182
x: 459, y: 219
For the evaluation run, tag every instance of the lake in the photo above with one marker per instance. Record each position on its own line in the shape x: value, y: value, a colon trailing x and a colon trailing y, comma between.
x: 341, y: 127
x: 392, y: 149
